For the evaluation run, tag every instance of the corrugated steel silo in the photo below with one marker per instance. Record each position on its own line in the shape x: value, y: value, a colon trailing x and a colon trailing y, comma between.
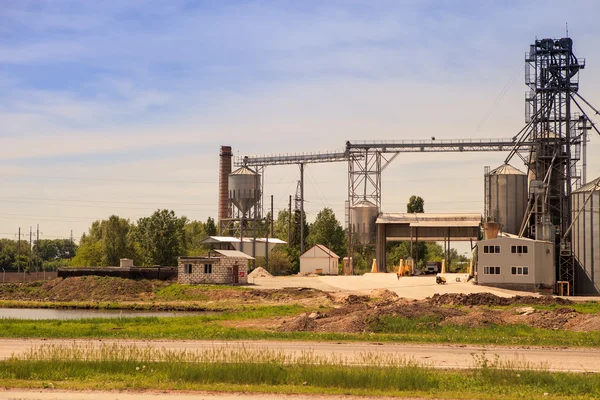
x: 244, y: 188
x: 506, y: 197
x: 586, y: 239
x: 364, y: 215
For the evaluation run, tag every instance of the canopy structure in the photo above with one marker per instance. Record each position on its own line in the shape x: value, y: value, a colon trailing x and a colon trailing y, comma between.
x: 425, y: 227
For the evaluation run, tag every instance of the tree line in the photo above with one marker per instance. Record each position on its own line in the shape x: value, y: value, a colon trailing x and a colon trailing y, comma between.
x: 163, y: 236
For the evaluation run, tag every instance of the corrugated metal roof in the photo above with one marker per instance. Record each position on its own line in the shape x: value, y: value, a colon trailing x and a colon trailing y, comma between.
x: 234, y: 253
x: 506, y: 169
x: 588, y: 187
x: 430, y: 219
x: 243, y: 171
x: 231, y: 239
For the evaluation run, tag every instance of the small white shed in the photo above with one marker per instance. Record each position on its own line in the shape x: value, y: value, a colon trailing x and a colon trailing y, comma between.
x: 319, y: 260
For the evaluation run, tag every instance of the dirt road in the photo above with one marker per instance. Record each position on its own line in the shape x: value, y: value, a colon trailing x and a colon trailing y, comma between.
x: 438, y: 356
x: 61, y: 395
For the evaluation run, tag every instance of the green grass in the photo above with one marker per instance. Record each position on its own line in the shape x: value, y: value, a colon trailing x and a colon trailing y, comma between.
x: 129, y: 367
x: 178, y: 292
x: 586, y: 307
x: 210, y: 327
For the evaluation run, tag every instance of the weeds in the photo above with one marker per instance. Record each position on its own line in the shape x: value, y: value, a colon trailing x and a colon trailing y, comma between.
x: 271, y: 370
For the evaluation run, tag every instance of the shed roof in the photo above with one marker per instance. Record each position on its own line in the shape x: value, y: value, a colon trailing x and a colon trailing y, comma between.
x: 431, y: 219
x: 330, y: 253
x: 234, y: 253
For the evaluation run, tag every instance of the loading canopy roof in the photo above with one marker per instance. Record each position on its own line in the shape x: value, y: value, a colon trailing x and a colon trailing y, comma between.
x: 430, y: 227
x: 231, y: 239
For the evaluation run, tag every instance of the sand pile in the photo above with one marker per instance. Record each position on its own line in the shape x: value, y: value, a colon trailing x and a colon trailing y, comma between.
x: 260, y: 272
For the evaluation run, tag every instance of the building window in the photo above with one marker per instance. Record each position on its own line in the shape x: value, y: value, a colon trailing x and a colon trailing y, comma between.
x: 491, y: 249
x: 519, y: 249
x: 188, y: 268
x: 519, y: 270
x: 208, y: 268
x: 491, y: 270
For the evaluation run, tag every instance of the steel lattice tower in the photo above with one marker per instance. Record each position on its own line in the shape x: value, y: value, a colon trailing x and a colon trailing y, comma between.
x: 552, y: 75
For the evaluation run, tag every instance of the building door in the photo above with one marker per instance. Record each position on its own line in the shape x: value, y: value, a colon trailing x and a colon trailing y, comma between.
x: 235, y: 271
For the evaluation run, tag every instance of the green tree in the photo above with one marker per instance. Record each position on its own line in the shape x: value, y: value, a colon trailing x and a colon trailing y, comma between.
x: 195, y: 232
x: 162, y: 237
x: 281, y: 225
x: 415, y: 204
x: 210, y: 227
x: 106, y: 242
x: 328, y: 231
x: 116, y: 240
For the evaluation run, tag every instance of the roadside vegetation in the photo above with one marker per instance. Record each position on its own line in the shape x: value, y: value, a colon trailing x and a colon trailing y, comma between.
x: 239, y: 369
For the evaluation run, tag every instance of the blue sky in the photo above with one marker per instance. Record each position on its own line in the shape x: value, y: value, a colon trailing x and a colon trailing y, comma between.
x: 120, y: 106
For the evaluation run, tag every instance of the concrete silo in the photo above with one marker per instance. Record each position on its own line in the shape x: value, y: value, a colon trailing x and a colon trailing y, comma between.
x: 506, y: 197
x: 586, y: 238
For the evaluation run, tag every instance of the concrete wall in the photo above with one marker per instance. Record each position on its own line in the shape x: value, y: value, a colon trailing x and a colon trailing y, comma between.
x: 25, y: 277
x: 538, y: 260
x: 329, y: 265
x: 222, y: 270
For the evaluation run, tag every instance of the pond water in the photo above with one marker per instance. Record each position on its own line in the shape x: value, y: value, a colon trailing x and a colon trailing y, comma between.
x: 43, y: 313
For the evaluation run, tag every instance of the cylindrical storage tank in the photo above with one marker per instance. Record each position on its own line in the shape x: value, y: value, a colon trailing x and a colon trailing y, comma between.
x: 507, y: 197
x: 244, y: 188
x: 363, y: 215
x: 491, y: 230
x: 224, y: 171
x: 586, y: 239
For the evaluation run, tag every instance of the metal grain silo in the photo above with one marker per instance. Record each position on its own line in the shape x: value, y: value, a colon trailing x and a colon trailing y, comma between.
x: 586, y: 239
x: 506, y: 197
x: 363, y: 215
x: 244, y: 188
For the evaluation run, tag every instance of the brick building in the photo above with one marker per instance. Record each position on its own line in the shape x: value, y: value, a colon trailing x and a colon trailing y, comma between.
x: 220, y: 266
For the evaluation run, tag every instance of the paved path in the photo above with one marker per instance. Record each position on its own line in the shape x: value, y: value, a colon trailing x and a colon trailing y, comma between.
x: 410, y: 287
x: 438, y: 356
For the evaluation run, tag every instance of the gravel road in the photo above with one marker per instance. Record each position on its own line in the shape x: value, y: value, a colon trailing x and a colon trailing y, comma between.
x: 439, y: 356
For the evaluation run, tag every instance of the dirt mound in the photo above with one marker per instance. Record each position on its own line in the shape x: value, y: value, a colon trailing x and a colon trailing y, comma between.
x: 364, y: 316
x: 84, y: 288
x: 475, y: 319
x: 260, y: 272
x: 488, y: 299
x: 308, y: 274
x: 383, y: 294
x: 584, y: 323
x: 344, y: 298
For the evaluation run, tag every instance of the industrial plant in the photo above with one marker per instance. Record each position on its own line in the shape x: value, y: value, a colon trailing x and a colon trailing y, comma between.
x: 540, y: 228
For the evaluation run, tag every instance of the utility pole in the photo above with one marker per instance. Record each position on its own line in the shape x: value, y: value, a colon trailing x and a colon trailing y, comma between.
x: 301, y: 209
x: 30, y: 247
x: 290, y: 222
x: 272, y: 219
x: 19, y: 251
x: 37, y: 240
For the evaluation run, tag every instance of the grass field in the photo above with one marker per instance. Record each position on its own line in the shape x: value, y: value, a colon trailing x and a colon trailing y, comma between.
x: 239, y: 369
x: 389, y: 329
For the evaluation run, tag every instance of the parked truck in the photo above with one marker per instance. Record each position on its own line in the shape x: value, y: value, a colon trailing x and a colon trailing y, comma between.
x: 433, y: 267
